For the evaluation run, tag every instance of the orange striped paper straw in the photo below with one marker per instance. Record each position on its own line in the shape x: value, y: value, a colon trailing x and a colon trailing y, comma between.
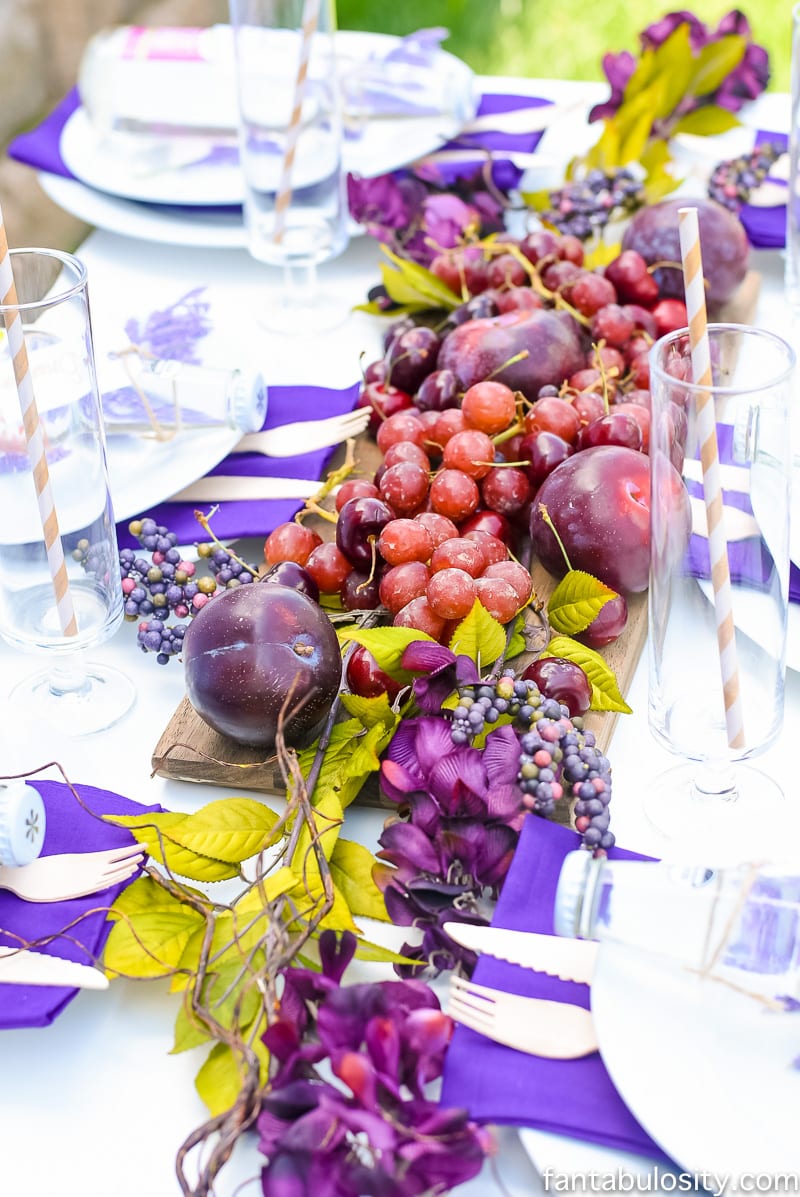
x: 283, y: 198
x: 35, y: 440
x: 694, y: 287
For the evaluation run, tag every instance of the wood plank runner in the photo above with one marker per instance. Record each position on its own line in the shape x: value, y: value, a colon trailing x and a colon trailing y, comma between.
x: 189, y: 750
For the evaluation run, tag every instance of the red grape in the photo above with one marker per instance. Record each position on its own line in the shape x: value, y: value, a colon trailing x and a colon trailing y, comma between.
x: 459, y: 553
x: 498, y: 597
x: 517, y: 577
x: 400, y: 427
x: 439, y: 526
x: 405, y: 540
x: 406, y: 451
x: 355, y: 488
x: 489, y: 406
x: 493, y: 550
x: 470, y: 451
x: 404, y: 487
x: 592, y: 292
x: 554, y: 414
x: 290, y: 542
x: 328, y: 567
x: 454, y: 494
x: 506, y: 489
x: 451, y: 593
x: 420, y: 615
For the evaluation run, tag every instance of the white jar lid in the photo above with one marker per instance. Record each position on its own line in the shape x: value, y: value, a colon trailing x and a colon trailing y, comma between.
x: 22, y: 823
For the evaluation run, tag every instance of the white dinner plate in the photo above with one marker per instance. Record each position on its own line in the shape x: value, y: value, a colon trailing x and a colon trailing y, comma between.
x: 201, y: 227
x: 144, y: 472
x: 382, y: 144
x: 706, y: 1070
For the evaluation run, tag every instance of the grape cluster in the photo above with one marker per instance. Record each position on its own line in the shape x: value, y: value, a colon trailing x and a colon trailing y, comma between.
x: 584, y: 207
x: 164, y: 584
x: 556, y: 753
x: 733, y: 180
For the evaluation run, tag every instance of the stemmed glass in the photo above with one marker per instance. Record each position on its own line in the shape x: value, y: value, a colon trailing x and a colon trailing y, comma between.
x: 53, y: 309
x: 295, y: 209
x: 714, y: 795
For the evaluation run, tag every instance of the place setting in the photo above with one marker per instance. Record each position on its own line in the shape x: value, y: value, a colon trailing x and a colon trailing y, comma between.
x: 404, y: 763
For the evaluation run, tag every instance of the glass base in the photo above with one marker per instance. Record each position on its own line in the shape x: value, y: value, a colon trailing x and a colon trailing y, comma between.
x: 297, y: 314
x: 78, y: 704
x: 730, y: 815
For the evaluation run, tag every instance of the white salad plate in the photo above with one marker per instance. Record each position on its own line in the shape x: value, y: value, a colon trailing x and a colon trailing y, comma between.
x: 378, y: 145
x: 706, y: 1070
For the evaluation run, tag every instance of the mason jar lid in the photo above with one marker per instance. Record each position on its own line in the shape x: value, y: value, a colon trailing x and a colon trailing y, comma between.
x: 22, y: 823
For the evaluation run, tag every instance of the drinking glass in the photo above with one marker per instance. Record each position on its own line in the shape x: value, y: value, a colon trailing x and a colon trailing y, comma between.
x: 53, y: 306
x: 691, y: 644
x: 792, y: 262
x: 290, y: 142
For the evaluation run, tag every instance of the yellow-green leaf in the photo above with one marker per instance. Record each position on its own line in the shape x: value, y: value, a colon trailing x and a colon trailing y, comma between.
x: 606, y: 695
x: 674, y: 67
x: 156, y: 831
x: 370, y: 711
x: 230, y: 829
x: 219, y: 1080
x: 351, y: 869
x: 423, y: 283
x: 707, y: 121
x: 189, y: 1030
x: 479, y: 636
x: 576, y: 601
x: 714, y: 62
x: 600, y: 253
x: 144, y: 894
x: 516, y: 644
x: 375, y: 953
x: 151, y: 944
x: 387, y: 646
x: 328, y: 816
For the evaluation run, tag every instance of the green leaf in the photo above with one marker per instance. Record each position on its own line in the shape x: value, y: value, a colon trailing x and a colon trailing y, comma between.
x: 516, y: 644
x: 189, y: 1030
x: 387, y: 646
x: 707, y: 121
x: 576, y: 601
x: 232, y: 984
x: 714, y: 62
x: 151, y: 943
x: 328, y: 817
x: 479, y: 636
x: 143, y: 894
x: 230, y: 829
x: 351, y: 869
x: 674, y: 67
x: 370, y: 711
x: 420, y: 282
x: 156, y: 831
x: 219, y: 1080
x: 635, y: 120
x: 375, y: 953
x: 605, y: 691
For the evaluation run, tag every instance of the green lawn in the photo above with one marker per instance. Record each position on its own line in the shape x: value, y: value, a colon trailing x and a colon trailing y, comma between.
x: 563, y: 39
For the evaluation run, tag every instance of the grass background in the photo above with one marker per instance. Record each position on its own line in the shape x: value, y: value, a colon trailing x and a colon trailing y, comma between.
x: 562, y: 39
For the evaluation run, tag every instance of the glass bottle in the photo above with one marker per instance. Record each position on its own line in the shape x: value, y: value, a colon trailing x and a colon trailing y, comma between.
x: 740, y: 923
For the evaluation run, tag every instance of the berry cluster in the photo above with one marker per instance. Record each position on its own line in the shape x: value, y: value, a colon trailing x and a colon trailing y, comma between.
x: 165, y: 584
x: 733, y: 181
x: 556, y: 754
x: 584, y: 207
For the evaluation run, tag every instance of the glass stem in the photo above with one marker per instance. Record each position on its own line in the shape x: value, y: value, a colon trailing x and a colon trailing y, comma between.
x: 300, y: 280
x: 715, y: 780
x: 69, y: 676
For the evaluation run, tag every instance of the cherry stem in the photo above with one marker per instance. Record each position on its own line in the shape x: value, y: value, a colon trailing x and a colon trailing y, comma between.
x: 373, y: 566
x: 502, y: 437
x: 204, y: 522
x: 334, y: 479
x: 545, y: 514
x: 501, y: 465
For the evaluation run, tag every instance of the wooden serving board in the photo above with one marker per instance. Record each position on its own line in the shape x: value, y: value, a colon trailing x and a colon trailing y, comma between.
x: 189, y: 750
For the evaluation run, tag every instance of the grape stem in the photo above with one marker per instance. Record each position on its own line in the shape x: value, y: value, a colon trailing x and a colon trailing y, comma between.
x: 205, y: 523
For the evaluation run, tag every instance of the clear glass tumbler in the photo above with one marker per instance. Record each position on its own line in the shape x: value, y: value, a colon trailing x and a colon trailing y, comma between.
x: 53, y: 306
x: 717, y: 644
x: 290, y: 146
x: 792, y: 263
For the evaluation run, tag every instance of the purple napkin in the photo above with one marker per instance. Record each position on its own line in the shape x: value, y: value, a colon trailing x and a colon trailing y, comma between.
x: 259, y: 516
x: 39, y: 147
x: 748, y: 560
x: 497, y: 1084
x: 69, y: 829
x: 766, y: 227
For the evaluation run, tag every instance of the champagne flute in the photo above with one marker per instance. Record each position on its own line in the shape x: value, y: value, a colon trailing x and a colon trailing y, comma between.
x: 295, y: 208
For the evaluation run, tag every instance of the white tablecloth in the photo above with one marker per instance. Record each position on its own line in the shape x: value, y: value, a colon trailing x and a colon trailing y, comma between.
x: 94, y: 1105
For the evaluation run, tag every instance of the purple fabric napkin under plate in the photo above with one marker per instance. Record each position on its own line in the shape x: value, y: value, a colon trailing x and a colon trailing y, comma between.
x: 40, y: 147
x: 747, y: 559
x: 258, y: 517
x: 499, y: 1085
x: 69, y: 829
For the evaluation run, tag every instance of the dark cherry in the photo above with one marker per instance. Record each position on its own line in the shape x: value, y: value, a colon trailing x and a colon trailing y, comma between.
x: 477, y: 308
x: 367, y: 679
x: 360, y: 592
x: 396, y: 329
x: 614, y: 428
x: 562, y: 680
x: 376, y: 371
x: 358, y: 527
x: 438, y: 391
x: 384, y: 400
x: 289, y: 573
x: 492, y: 522
x: 607, y: 625
x: 544, y: 451
x: 411, y: 357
